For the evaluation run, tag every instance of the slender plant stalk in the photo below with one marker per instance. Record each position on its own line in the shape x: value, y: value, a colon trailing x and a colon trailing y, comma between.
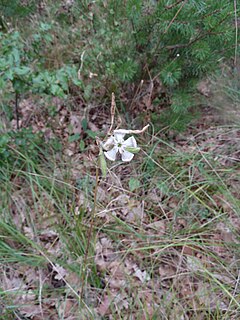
x: 90, y: 231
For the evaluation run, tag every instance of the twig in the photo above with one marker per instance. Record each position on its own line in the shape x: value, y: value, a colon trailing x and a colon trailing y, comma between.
x: 132, y: 131
x: 171, y: 22
x: 173, y: 5
x: 136, y: 92
x: 81, y: 65
x: 113, y: 108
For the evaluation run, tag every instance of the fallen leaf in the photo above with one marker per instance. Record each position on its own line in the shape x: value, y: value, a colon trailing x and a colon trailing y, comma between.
x: 76, y: 123
x: 158, y: 226
x: 143, y: 276
x: 61, y: 272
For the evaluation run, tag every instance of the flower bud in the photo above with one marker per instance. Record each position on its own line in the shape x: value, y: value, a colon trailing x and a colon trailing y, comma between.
x: 133, y: 150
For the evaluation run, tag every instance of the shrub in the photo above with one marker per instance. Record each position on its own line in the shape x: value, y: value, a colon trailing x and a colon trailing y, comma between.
x: 118, y: 42
x: 180, y: 41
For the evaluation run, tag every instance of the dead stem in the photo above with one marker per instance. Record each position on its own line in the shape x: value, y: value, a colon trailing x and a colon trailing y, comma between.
x: 113, y: 108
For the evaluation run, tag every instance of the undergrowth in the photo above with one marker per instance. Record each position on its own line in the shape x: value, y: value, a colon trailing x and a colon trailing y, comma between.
x: 84, y: 47
x: 164, y: 242
x: 167, y: 249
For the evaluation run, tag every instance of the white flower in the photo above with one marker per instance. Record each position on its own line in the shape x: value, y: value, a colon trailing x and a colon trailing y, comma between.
x: 118, y: 144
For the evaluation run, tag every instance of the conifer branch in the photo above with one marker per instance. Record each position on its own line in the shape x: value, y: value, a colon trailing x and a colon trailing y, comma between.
x: 177, y: 13
x: 173, y: 5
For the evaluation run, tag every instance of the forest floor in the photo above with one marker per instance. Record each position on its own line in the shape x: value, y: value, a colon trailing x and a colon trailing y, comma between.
x: 165, y: 241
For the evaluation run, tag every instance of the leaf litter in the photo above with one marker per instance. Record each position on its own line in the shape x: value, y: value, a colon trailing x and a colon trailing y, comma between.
x: 142, y: 272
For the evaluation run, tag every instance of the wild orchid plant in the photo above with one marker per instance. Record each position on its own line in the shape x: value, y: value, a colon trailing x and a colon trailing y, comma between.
x: 114, y: 145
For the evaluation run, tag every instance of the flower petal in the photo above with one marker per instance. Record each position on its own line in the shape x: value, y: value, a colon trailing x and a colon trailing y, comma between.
x: 127, y: 156
x: 111, y: 154
x: 119, y: 136
x: 110, y: 141
x: 130, y: 142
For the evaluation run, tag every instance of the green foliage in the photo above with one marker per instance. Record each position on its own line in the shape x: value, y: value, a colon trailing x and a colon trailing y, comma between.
x: 146, y: 32
x: 114, y: 43
x: 178, y: 41
x: 4, y: 151
x: 22, y: 65
x: 17, y: 147
x: 16, y: 8
x: 181, y: 102
x: 171, y: 74
x: 134, y: 184
x: 22, y: 70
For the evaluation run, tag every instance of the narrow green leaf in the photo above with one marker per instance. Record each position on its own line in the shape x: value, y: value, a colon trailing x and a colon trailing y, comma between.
x: 74, y: 137
x: 103, y: 163
x: 82, y: 145
x: 91, y: 134
x: 84, y: 124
